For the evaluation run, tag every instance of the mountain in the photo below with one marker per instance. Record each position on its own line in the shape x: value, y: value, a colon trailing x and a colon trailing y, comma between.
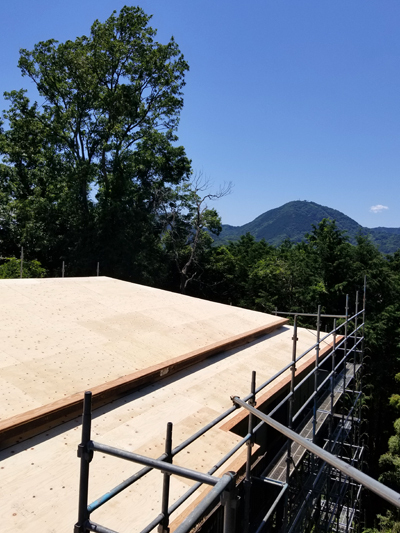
x: 294, y: 219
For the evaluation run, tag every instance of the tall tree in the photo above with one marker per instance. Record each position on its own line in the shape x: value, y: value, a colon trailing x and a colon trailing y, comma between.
x: 332, y: 257
x: 83, y: 170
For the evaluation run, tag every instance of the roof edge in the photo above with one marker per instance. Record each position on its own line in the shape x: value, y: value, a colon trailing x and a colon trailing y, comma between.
x: 20, y: 427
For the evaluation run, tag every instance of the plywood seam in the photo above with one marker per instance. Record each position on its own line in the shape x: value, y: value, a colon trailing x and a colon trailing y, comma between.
x: 35, y: 421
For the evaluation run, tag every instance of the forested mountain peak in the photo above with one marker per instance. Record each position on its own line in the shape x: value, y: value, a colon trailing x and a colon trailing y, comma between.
x: 294, y: 219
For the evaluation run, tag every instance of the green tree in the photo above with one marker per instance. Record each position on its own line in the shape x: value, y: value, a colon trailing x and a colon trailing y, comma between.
x: 82, y: 171
x: 388, y: 523
x: 331, y: 253
x: 227, y: 276
x: 287, y: 280
x: 11, y: 268
x: 389, y: 462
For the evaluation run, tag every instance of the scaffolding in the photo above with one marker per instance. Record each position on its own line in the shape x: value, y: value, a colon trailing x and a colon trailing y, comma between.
x: 307, y: 472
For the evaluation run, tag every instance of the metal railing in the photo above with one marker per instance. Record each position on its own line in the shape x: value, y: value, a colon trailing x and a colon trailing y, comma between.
x: 221, y: 486
x: 339, y: 355
x: 376, y: 487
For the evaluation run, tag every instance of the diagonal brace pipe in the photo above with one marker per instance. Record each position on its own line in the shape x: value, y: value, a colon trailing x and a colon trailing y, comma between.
x: 375, y: 486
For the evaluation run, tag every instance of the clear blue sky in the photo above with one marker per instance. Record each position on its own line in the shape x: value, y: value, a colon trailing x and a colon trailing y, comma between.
x: 288, y: 99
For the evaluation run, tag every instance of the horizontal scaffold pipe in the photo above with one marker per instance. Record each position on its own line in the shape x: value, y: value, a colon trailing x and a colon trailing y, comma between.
x: 293, y: 313
x: 375, y: 486
x: 154, y: 463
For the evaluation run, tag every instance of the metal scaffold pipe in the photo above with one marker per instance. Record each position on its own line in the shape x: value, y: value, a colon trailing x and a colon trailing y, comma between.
x: 375, y: 486
x: 222, y: 486
x: 153, y: 463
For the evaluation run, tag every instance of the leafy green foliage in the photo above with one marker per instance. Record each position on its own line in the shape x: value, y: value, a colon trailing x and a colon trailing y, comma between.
x: 11, y: 268
x: 394, y: 400
x: 83, y: 173
x: 389, y: 462
x: 388, y: 523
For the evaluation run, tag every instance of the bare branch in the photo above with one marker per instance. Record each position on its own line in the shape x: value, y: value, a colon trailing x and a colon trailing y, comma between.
x: 189, y: 224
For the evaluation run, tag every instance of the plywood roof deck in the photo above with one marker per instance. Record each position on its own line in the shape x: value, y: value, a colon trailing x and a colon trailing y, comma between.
x: 61, y: 336
x: 40, y: 477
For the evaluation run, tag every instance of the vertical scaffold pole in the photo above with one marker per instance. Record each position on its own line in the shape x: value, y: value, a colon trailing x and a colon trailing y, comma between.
x: 346, y: 330
x: 355, y: 342
x: 291, y: 399
x: 363, y: 318
x: 163, y: 526
x: 85, y: 456
x: 333, y: 380
x: 346, y: 326
x: 293, y: 370
x: 316, y: 372
x: 63, y: 269
x: 228, y: 501
x: 330, y: 442
x: 361, y: 386
x: 338, y: 510
x: 290, y: 418
x: 354, y: 430
x: 98, y: 268
x: 362, y: 354
x: 250, y: 443
x: 22, y: 261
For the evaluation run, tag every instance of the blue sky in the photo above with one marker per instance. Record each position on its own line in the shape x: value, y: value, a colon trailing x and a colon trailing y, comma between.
x: 287, y: 99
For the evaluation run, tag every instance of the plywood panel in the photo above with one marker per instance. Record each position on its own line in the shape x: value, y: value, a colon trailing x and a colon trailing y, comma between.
x: 41, y: 476
x: 60, y: 336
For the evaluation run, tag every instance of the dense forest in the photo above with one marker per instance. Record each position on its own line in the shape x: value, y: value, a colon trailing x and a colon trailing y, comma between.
x: 92, y: 174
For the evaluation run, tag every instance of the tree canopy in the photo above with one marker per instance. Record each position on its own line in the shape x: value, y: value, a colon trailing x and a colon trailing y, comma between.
x: 83, y: 172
